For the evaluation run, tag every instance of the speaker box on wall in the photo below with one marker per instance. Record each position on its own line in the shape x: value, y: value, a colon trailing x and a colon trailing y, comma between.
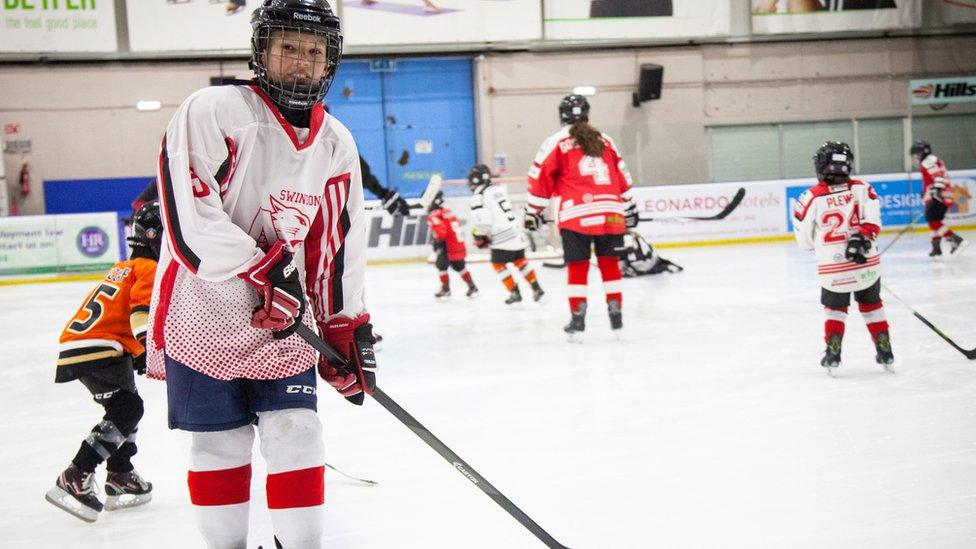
x: 649, y: 83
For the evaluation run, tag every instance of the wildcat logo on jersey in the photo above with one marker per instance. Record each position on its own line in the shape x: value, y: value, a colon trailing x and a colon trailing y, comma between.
x: 288, y: 223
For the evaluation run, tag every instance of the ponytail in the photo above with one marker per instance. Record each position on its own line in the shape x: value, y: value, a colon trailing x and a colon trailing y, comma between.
x: 588, y: 138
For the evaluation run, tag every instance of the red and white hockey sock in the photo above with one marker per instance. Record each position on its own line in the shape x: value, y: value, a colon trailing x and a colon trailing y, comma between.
x: 874, y: 317
x: 445, y: 281
x: 939, y: 230
x: 836, y: 322
x: 506, y: 276
x: 220, y: 485
x: 466, y: 277
x: 610, y: 271
x: 291, y: 442
x: 576, y: 274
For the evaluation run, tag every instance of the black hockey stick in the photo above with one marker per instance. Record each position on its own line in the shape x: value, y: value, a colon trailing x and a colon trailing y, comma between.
x: 729, y: 208
x: 903, y: 231
x: 970, y: 354
x: 391, y: 406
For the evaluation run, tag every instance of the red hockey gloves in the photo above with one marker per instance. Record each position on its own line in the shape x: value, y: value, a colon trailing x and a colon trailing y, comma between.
x: 480, y: 240
x: 276, y: 279
x: 630, y: 216
x: 354, y: 340
x: 394, y: 203
x: 533, y: 221
x: 858, y: 246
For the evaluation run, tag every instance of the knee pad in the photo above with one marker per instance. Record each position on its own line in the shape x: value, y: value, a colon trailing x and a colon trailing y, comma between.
x: 124, y: 409
x: 221, y: 449
x: 291, y: 439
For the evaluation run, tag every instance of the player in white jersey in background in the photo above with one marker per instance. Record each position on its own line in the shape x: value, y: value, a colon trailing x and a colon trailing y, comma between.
x: 839, y: 219
x: 495, y: 227
x: 262, y: 202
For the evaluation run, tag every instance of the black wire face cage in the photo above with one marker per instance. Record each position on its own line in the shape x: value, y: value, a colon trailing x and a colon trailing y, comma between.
x: 295, y: 63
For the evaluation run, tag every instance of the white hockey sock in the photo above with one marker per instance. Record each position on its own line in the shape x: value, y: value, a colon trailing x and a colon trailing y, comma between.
x: 220, y: 482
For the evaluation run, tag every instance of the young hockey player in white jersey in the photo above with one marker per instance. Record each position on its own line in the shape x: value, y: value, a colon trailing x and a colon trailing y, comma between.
x: 495, y: 227
x: 262, y: 204
x: 839, y: 218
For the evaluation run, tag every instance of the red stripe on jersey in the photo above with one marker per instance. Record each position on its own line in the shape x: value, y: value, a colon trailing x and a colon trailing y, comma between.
x: 162, y: 308
x: 232, y: 164
x: 315, y: 122
x: 848, y: 266
x: 221, y: 487
x: 335, y: 196
x: 313, y: 261
x: 292, y: 489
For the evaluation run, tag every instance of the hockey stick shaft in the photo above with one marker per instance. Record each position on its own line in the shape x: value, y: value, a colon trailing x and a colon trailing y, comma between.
x: 728, y: 209
x: 903, y: 231
x: 462, y: 466
x: 363, y: 480
x: 970, y: 354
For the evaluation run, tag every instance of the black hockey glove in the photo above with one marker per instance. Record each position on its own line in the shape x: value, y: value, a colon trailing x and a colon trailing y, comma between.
x: 935, y: 191
x: 394, y: 203
x: 630, y: 216
x: 438, y: 245
x: 276, y: 279
x: 534, y: 221
x: 139, y: 364
x: 858, y: 246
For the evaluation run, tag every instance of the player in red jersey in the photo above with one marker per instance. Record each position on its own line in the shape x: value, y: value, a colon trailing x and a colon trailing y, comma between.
x: 450, y: 249
x: 101, y: 346
x: 582, y: 166
x: 937, y: 193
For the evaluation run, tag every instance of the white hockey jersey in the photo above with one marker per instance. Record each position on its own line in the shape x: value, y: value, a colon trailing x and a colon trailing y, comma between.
x: 493, y: 216
x: 824, y: 217
x: 234, y: 177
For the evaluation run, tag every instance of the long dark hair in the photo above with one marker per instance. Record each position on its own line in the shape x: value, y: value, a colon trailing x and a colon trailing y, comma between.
x: 588, y: 138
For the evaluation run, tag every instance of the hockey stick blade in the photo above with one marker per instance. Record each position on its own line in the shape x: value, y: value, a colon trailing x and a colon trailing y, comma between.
x: 424, y: 434
x: 728, y: 209
x: 970, y: 354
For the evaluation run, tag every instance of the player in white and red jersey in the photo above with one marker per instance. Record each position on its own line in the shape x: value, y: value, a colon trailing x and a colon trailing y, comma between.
x: 495, y: 227
x: 839, y: 219
x: 937, y: 193
x: 445, y: 231
x: 262, y: 203
x: 583, y: 168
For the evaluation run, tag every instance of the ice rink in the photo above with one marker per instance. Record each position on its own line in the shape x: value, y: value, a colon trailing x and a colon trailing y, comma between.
x: 710, y: 424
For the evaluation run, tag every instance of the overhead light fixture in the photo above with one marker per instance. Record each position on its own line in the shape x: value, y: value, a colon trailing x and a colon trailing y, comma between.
x: 147, y: 105
x: 584, y: 90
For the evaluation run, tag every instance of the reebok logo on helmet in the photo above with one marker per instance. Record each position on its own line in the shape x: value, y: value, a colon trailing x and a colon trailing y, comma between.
x: 306, y: 17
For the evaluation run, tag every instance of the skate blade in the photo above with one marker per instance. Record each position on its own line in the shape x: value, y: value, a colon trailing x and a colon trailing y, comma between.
x: 66, y: 502
x: 960, y: 249
x: 831, y: 370
x: 618, y: 334
x: 475, y: 295
x: 444, y: 299
x: 517, y: 305
x: 113, y: 503
x: 574, y: 337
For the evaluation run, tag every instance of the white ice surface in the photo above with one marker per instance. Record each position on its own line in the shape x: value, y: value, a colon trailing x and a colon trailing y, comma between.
x: 710, y: 425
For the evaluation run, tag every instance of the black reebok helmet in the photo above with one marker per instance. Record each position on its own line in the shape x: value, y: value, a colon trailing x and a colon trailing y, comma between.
x: 574, y: 108
x: 147, y: 228
x: 479, y: 175
x: 921, y: 148
x: 833, y: 158
x: 307, y: 21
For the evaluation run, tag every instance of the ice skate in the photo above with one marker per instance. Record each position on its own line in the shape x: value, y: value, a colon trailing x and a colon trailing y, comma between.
x: 126, y: 490
x: 576, y: 324
x: 75, y: 492
x: 538, y: 295
x: 378, y: 345
x: 831, y: 358
x: 616, y: 316
x: 472, y: 292
x: 957, y: 245
x: 514, y: 297
x: 884, y: 356
x: 936, y: 252
x: 444, y: 294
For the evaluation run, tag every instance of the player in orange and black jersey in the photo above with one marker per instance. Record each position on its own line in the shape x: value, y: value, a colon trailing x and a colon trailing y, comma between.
x: 102, y: 346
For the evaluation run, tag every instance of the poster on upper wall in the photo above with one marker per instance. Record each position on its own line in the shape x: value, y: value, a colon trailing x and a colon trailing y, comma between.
x: 635, y: 19
x: 189, y: 25
x: 374, y: 22
x: 957, y: 12
x: 43, y: 26
x: 822, y: 16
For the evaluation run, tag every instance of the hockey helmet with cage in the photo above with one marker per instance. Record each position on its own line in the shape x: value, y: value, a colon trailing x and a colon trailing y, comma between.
x: 147, y: 229
x: 921, y: 149
x: 479, y: 175
x: 833, y: 160
x: 308, y: 19
x: 574, y: 108
x: 437, y: 202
